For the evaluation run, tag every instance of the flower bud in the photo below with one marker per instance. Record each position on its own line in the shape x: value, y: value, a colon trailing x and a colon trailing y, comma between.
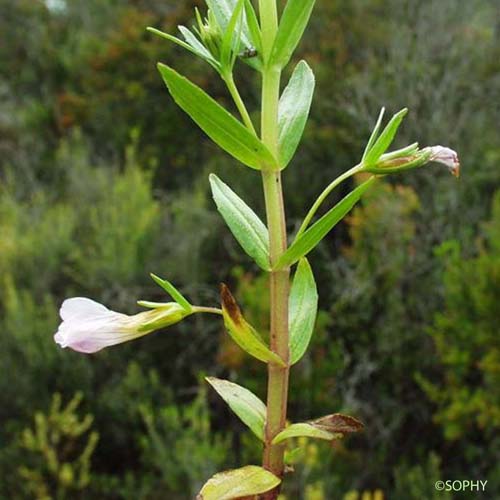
x: 411, y: 157
x: 88, y: 326
x: 210, y: 33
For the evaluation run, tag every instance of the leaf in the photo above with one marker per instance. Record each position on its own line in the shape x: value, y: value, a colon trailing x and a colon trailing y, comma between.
x: 191, y: 44
x: 253, y: 26
x: 292, y: 26
x: 247, y: 228
x: 173, y: 292
x: 308, y: 240
x: 222, y: 127
x: 385, y: 140
x: 302, y: 310
x: 247, y: 406
x: 374, y: 134
x: 294, y: 107
x: 304, y: 430
x: 247, y: 481
x: 223, y: 11
x: 330, y: 427
x: 232, y: 36
x: 338, y: 423
x: 197, y: 45
x: 242, y: 332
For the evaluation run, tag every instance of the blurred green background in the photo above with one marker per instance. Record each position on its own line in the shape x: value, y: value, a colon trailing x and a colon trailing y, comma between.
x: 103, y: 180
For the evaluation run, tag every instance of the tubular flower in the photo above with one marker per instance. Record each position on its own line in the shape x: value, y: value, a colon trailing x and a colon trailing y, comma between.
x: 445, y: 156
x: 88, y: 326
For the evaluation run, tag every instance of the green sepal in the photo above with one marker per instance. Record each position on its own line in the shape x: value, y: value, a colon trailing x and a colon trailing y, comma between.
x: 309, y: 239
x: 173, y: 292
x: 374, y: 134
x: 400, y: 164
x: 243, y: 333
x: 302, y: 311
x: 294, y: 107
x: 244, y: 223
x: 246, y: 482
x: 292, y: 26
x: 220, y: 125
x: 244, y: 403
x: 385, y: 139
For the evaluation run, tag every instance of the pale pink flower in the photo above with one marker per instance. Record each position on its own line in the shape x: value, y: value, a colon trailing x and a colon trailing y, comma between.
x: 446, y: 156
x: 88, y: 326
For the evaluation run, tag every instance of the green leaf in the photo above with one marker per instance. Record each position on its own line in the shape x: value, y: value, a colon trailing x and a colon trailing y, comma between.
x: 374, y: 134
x: 294, y: 107
x: 222, y: 127
x: 247, y: 228
x: 302, y: 310
x: 231, y: 484
x: 330, y: 427
x: 173, y: 292
x: 304, y: 430
x: 191, y: 44
x: 242, y: 332
x: 223, y: 11
x: 197, y: 45
x: 253, y: 26
x: 308, y: 240
x: 385, y: 140
x: 247, y: 406
x: 292, y: 26
x: 232, y: 37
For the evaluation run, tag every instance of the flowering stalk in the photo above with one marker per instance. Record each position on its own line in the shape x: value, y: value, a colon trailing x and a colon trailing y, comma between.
x: 230, y: 31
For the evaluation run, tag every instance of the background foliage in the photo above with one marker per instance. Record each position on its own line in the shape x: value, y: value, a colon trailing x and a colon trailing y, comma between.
x: 103, y: 179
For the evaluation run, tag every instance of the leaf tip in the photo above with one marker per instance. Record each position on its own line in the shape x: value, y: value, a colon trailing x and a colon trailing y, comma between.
x: 229, y: 304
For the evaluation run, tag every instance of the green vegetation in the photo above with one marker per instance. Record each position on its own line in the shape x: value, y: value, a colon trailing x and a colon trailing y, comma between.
x: 100, y: 183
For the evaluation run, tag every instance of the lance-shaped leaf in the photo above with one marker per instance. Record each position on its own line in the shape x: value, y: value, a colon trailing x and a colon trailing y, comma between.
x: 191, y: 43
x: 224, y: 10
x: 302, y: 310
x: 232, y: 36
x: 385, y: 139
x: 310, y: 238
x: 330, y: 427
x: 294, y: 107
x: 222, y: 127
x: 305, y: 430
x: 242, y: 332
x: 247, y: 228
x: 247, y: 406
x: 173, y: 292
x: 292, y: 26
x: 237, y: 483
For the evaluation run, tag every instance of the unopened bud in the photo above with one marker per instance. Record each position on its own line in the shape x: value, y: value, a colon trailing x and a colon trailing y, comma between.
x: 210, y: 33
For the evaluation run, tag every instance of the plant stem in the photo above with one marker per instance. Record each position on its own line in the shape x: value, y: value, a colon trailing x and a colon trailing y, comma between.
x: 322, y: 197
x: 277, y: 388
x: 233, y: 90
x: 208, y: 310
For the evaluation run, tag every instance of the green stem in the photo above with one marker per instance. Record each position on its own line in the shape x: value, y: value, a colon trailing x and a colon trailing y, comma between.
x: 277, y: 388
x: 208, y: 310
x: 233, y: 90
x: 322, y: 197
